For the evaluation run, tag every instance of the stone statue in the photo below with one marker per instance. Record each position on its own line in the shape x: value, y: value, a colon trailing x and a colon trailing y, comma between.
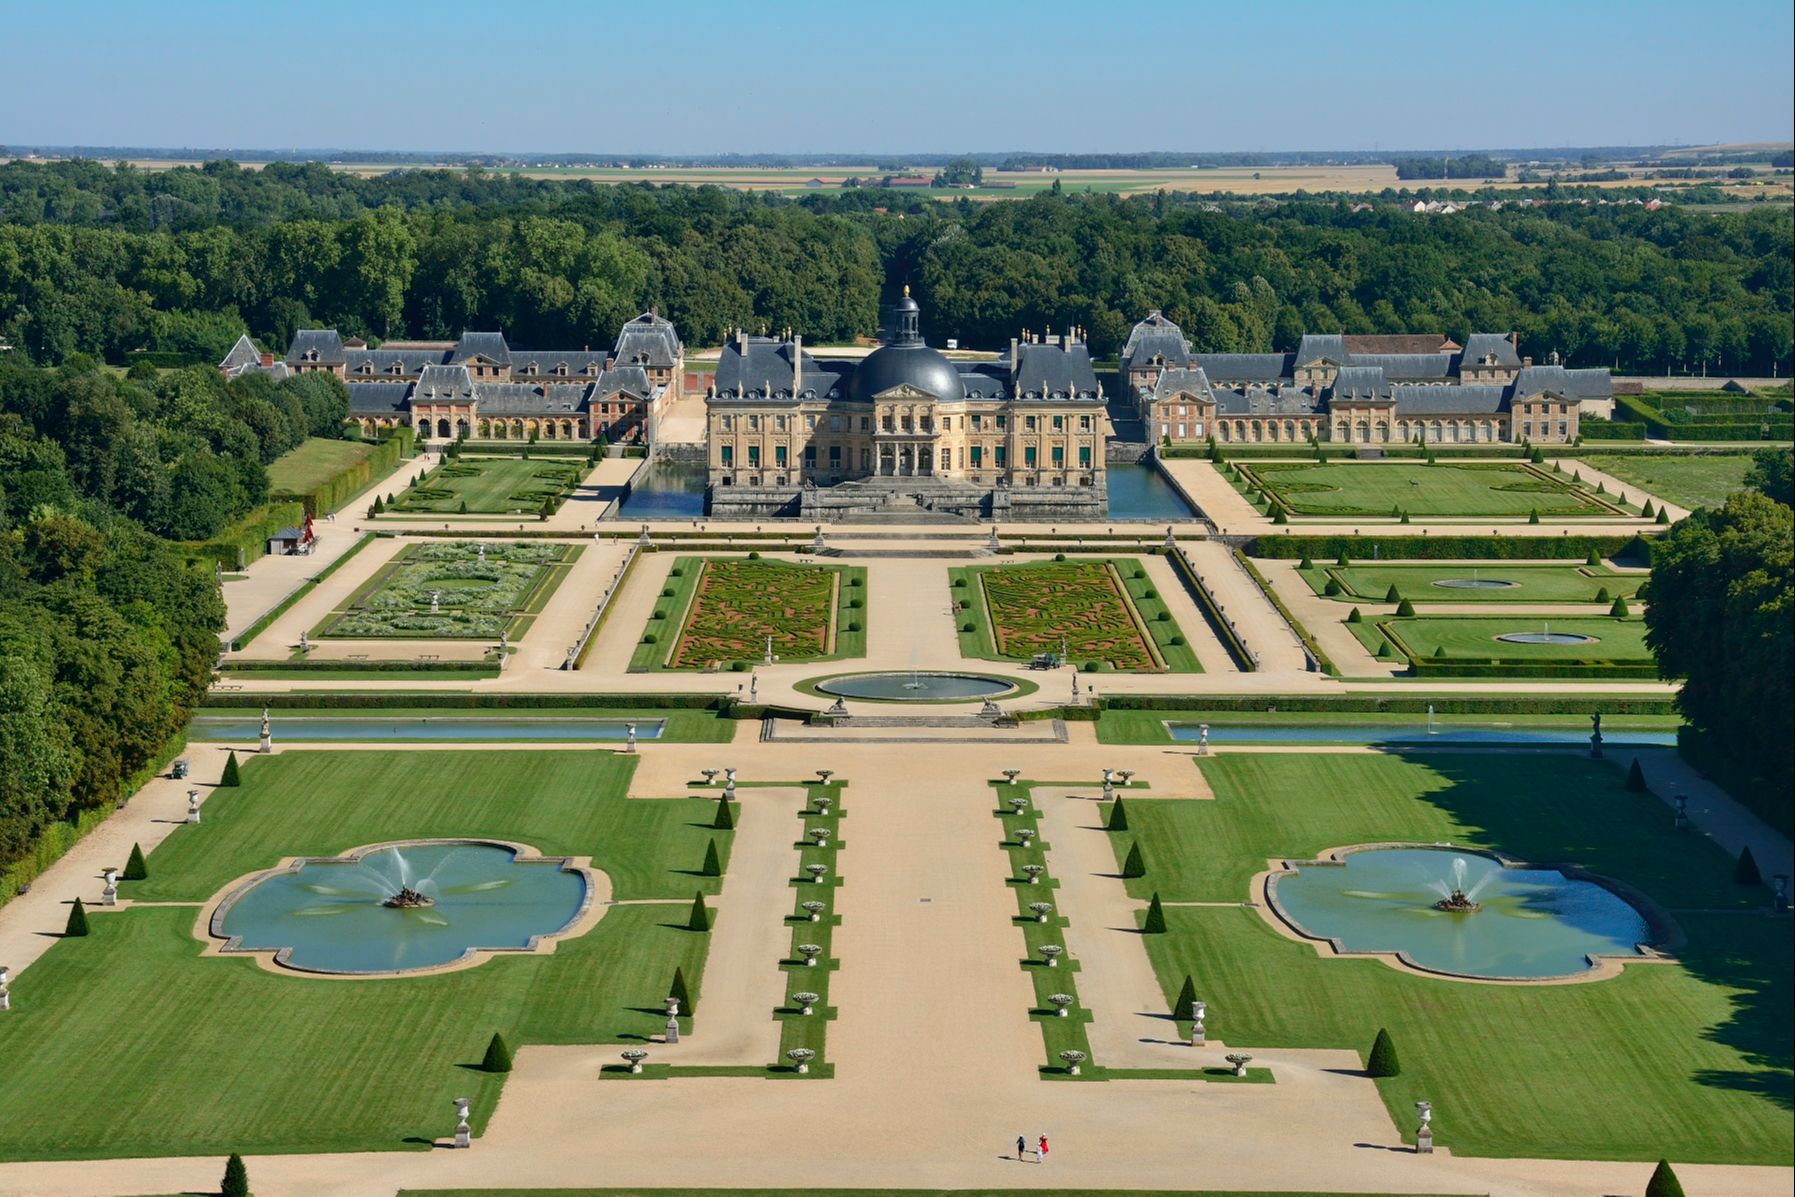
x: 267, y: 744
x: 1595, y: 736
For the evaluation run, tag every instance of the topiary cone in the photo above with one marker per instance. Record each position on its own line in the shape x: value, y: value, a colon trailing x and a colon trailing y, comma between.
x: 1185, y: 1008
x: 236, y: 1178
x: 1635, y: 778
x: 1746, y: 871
x: 725, y: 820
x: 498, y: 1055
x: 700, y: 919
x: 678, y: 991
x: 713, y: 864
x: 1155, y: 922
x: 135, y: 867
x: 1664, y: 1182
x: 1118, y: 817
x: 1392, y: 595
x: 77, y: 921
x: 231, y: 777
x: 1136, y: 864
x: 1382, y: 1060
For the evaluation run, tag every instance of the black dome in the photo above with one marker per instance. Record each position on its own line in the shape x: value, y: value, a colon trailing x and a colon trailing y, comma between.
x: 896, y: 365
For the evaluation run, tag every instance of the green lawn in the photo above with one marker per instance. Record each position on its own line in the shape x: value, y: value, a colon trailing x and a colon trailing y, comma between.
x: 315, y: 462
x: 1365, y: 581
x: 1689, y: 481
x: 719, y: 610
x: 1689, y: 1060
x: 1374, y: 489
x: 1148, y: 726
x: 682, y: 725
x: 480, y: 591
x: 1106, y: 611
x: 491, y: 485
x: 1474, y: 637
x: 128, y: 1043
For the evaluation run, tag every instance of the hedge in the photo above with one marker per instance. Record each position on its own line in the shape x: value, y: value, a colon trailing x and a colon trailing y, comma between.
x: 345, y: 666
x: 376, y: 700
x: 1453, y: 548
x: 246, y: 540
x: 1591, y: 429
x: 1406, y: 704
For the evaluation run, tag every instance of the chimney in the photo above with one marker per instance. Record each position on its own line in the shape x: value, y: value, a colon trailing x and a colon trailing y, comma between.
x: 1526, y: 361
x: 1013, y: 353
x: 797, y: 363
x: 1514, y: 340
x: 267, y: 360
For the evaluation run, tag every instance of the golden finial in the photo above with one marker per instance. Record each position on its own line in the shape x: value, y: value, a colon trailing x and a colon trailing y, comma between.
x: 906, y: 290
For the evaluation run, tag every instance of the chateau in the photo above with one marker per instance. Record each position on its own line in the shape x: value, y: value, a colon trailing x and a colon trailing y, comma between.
x: 481, y: 387
x: 1353, y: 389
x: 904, y: 427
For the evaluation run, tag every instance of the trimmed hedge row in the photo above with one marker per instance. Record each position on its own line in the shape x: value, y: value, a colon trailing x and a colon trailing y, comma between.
x: 1592, y: 429
x: 304, y: 666
x: 1453, y: 548
x: 246, y: 540
x: 1444, y: 704
x: 1450, y: 667
x: 1211, y: 610
x: 373, y: 701
x: 279, y: 609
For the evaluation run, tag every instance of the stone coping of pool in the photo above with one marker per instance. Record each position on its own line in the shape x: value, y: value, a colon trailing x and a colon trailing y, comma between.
x: 209, y: 926
x: 1663, y: 930
x: 1018, y: 687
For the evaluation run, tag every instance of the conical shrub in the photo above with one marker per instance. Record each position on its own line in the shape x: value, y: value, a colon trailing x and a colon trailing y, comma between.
x: 1392, y: 595
x: 1185, y: 1008
x: 1746, y: 871
x: 135, y: 868
x: 498, y: 1055
x: 713, y: 863
x: 1118, y: 817
x: 77, y: 921
x: 231, y: 777
x: 1620, y: 610
x: 1635, y: 778
x: 725, y: 820
x: 1136, y: 864
x: 678, y: 991
x: 1354, y: 616
x: 1382, y: 1060
x: 1405, y: 608
x: 236, y: 1178
x: 700, y: 919
x: 1664, y: 1182
x: 1155, y: 922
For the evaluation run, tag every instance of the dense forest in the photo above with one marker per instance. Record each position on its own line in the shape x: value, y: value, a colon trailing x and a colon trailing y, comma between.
x: 108, y: 261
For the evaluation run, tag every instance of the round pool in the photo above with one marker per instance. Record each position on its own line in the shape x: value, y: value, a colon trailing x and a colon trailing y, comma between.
x: 1474, y: 584
x: 344, y: 914
x: 1546, y: 638
x: 1529, y: 923
x: 917, y: 686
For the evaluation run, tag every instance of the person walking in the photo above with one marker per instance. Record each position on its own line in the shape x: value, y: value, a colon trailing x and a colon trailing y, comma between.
x: 1041, y: 1151
x: 1021, y: 1148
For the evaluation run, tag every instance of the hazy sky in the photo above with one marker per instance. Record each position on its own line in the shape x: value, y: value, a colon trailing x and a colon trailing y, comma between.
x: 697, y: 76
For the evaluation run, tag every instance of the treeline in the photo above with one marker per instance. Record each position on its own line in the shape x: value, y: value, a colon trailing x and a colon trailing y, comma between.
x: 1470, y: 166
x: 1721, y: 613
x: 182, y: 454
x: 566, y: 263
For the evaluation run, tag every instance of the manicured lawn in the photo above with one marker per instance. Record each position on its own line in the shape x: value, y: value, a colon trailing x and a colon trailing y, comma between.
x: 1370, y: 582
x: 1693, y: 481
x: 1106, y: 613
x: 491, y: 485
x: 1378, y: 488
x: 1474, y: 636
x: 716, y: 610
x: 128, y: 1043
x: 478, y: 595
x: 681, y: 725
x: 1689, y: 1060
x: 1148, y: 726
x: 315, y: 462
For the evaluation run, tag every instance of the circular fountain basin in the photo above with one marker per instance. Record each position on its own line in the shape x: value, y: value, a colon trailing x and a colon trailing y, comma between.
x: 1474, y: 584
x: 1546, y: 638
x: 330, y: 914
x: 1532, y: 923
x: 917, y: 687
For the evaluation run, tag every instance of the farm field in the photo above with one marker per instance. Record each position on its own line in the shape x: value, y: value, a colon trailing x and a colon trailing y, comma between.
x: 1105, y: 611
x: 1688, y: 1059
x: 1375, y: 489
x: 491, y: 486
x: 479, y: 590
x: 1367, y: 582
x: 1692, y: 481
x: 155, y: 1050
x: 720, y: 610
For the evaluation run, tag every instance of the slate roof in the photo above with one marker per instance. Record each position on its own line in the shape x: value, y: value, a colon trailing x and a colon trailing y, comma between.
x: 1378, y: 343
x: 1409, y: 367
x: 378, y: 398
x: 1183, y: 381
x: 323, y: 341
x: 1245, y: 367
x: 649, y: 340
x: 489, y: 345
x: 242, y: 356
x: 761, y: 367
x: 545, y: 361
x: 1264, y: 401
x: 1050, y: 372
x: 531, y: 399
x: 1480, y: 345
x: 382, y: 361
x: 1361, y: 383
x: 1472, y: 399
x: 1156, y: 336
x: 1590, y: 384
x: 986, y: 380
x: 623, y: 380
x: 1323, y: 347
x: 444, y: 384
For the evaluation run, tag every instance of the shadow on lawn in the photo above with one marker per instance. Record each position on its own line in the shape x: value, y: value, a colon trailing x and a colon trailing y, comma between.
x: 1590, y: 819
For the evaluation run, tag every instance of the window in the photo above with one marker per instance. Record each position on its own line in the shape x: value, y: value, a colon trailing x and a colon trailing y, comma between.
x: 978, y: 421
x: 728, y: 455
x: 754, y: 457
x: 1527, y: 428
x: 1028, y: 456
x: 977, y: 456
x: 779, y: 456
x: 1180, y: 431
x: 835, y: 457
x: 1084, y: 457
x: 779, y: 423
x: 727, y: 422
x: 1001, y: 456
x: 834, y: 423
x: 753, y: 423
x: 810, y: 423
x: 1059, y: 455
x: 1028, y: 423
x: 1002, y: 422
x: 1084, y: 423
x: 810, y: 457
x: 1059, y: 422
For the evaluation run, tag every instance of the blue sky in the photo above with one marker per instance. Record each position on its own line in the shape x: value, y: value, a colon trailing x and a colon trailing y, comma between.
x: 696, y: 76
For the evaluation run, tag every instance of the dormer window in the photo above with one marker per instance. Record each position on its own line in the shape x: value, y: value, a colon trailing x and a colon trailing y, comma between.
x: 397, y: 368
x: 365, y: 368
x: 561, y: 370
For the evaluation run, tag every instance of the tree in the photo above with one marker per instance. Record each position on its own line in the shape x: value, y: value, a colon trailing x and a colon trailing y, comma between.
x: 680, y: 993
x: 77, y: 924
x: 236, y: 1178
x: 700, y: 919
x: 1772, y: 473
x: 1746, y: 871
x: 231, y: 776
x: 1185, y: 1008
x: 725, y: 818
x: 135, y: 868
x: 1664, y: 1182
x: 713, y: 864
x: 1134, y: 865
x: 1118, y: 817
x: 1355, y: 616
x: 1635, y: 778
x: 1155, y: 921
x: 1392, y: 595
x: 498, y: 1055
x: 1382, y: 1060
x: 1405, y: 608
